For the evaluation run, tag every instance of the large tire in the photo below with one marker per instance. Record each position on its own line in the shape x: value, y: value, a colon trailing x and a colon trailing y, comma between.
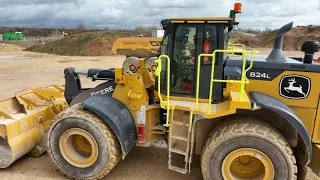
x: 239, y: 135
x: 101, y: 138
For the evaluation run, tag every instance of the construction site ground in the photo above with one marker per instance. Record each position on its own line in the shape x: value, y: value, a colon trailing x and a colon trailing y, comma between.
x: 21, y: 70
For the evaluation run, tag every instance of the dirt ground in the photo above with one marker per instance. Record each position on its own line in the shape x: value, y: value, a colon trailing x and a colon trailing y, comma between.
x: 20, y: 70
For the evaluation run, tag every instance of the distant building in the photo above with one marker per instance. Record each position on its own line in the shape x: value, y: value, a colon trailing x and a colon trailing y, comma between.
x: 157, y: 33
x: 12, y: 36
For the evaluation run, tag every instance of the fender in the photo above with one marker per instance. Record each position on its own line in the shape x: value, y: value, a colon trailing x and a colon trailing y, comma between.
x: 103, y: 89
x: 271, y: 103
x: 117, y: 116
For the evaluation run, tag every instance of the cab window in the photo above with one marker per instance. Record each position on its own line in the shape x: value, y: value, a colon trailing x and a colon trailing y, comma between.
x: 210, y: 42
x: 184, y: 53
x: 164, y: 45
x: 164, y: 51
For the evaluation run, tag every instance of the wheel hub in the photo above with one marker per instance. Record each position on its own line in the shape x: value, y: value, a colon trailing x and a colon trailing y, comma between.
x: 78, y: 147
x: 247, y: 163
x: 245, y: 160
x: 133, y: 68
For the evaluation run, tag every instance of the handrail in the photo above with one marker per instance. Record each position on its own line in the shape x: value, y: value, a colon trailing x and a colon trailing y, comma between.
x: 158, y: 72
x: 244, y: 80
x: 234, y: 45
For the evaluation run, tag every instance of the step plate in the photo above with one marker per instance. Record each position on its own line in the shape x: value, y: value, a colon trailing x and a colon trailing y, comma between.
x: 192, y: 105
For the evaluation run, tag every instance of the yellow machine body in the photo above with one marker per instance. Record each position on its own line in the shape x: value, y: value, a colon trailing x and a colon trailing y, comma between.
x: 202, y: 113
x: 137, y: 47
x: 183, y: 110
x: 305, y: 109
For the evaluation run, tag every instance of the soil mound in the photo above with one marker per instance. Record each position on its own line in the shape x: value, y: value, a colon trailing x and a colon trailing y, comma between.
x: 292, y: 40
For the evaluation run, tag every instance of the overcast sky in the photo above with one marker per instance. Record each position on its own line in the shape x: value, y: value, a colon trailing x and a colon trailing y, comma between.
x: 131, y: 13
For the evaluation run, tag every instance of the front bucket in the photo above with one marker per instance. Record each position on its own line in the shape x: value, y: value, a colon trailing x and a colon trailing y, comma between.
x: 25, y: 119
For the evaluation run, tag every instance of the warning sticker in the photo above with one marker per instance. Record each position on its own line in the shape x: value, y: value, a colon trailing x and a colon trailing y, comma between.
x: 141, y: 115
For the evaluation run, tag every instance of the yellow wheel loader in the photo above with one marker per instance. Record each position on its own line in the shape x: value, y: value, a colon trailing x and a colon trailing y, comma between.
x: 249, y: 116
x: 135, y: 48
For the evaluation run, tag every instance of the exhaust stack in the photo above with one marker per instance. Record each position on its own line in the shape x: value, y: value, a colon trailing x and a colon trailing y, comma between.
x: 276, y: 54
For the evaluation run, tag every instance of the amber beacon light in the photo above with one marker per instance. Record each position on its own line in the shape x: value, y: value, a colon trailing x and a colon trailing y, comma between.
x: 237, y: 7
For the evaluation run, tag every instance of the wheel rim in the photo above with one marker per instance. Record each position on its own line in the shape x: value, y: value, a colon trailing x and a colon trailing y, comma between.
x: 247, y: 163
x: 78, y: 147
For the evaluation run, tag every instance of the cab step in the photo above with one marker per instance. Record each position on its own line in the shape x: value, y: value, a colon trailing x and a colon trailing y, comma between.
x: 177, y: 169
x: 180, y: 123
x: 179, y: 141
x: 180, y: 138
x: 178, y: 151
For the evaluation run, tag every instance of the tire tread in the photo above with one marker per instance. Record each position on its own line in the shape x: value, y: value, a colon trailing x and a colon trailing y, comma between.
x: 113, y: 143
x: 245, y: 125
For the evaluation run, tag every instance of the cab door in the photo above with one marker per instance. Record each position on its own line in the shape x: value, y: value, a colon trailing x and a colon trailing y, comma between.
x: 213, y: 38
x: 180, y: 44
x: 183, y: 57
x: 183, y: 43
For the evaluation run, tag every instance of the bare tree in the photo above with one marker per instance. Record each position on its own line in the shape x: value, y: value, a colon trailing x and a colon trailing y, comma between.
x: 145, y: 30
x: 81, y: 27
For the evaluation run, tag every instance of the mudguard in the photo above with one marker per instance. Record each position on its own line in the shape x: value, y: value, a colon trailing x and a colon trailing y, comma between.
x: 117, y: 116
x: 282, y: 109
x: 103, y: 89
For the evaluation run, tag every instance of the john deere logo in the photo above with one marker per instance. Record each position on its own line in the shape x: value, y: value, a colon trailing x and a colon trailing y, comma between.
x: 154, y: 43
x: 295, y: 87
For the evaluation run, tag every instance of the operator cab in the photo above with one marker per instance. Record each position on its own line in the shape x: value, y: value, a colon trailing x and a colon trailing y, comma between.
x: 184, y: 40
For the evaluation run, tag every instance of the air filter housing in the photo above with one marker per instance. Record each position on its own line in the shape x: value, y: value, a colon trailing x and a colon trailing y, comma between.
x: 310, y: 47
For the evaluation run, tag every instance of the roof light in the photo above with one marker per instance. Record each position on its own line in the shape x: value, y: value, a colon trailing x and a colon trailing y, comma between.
x: 237, y: 7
